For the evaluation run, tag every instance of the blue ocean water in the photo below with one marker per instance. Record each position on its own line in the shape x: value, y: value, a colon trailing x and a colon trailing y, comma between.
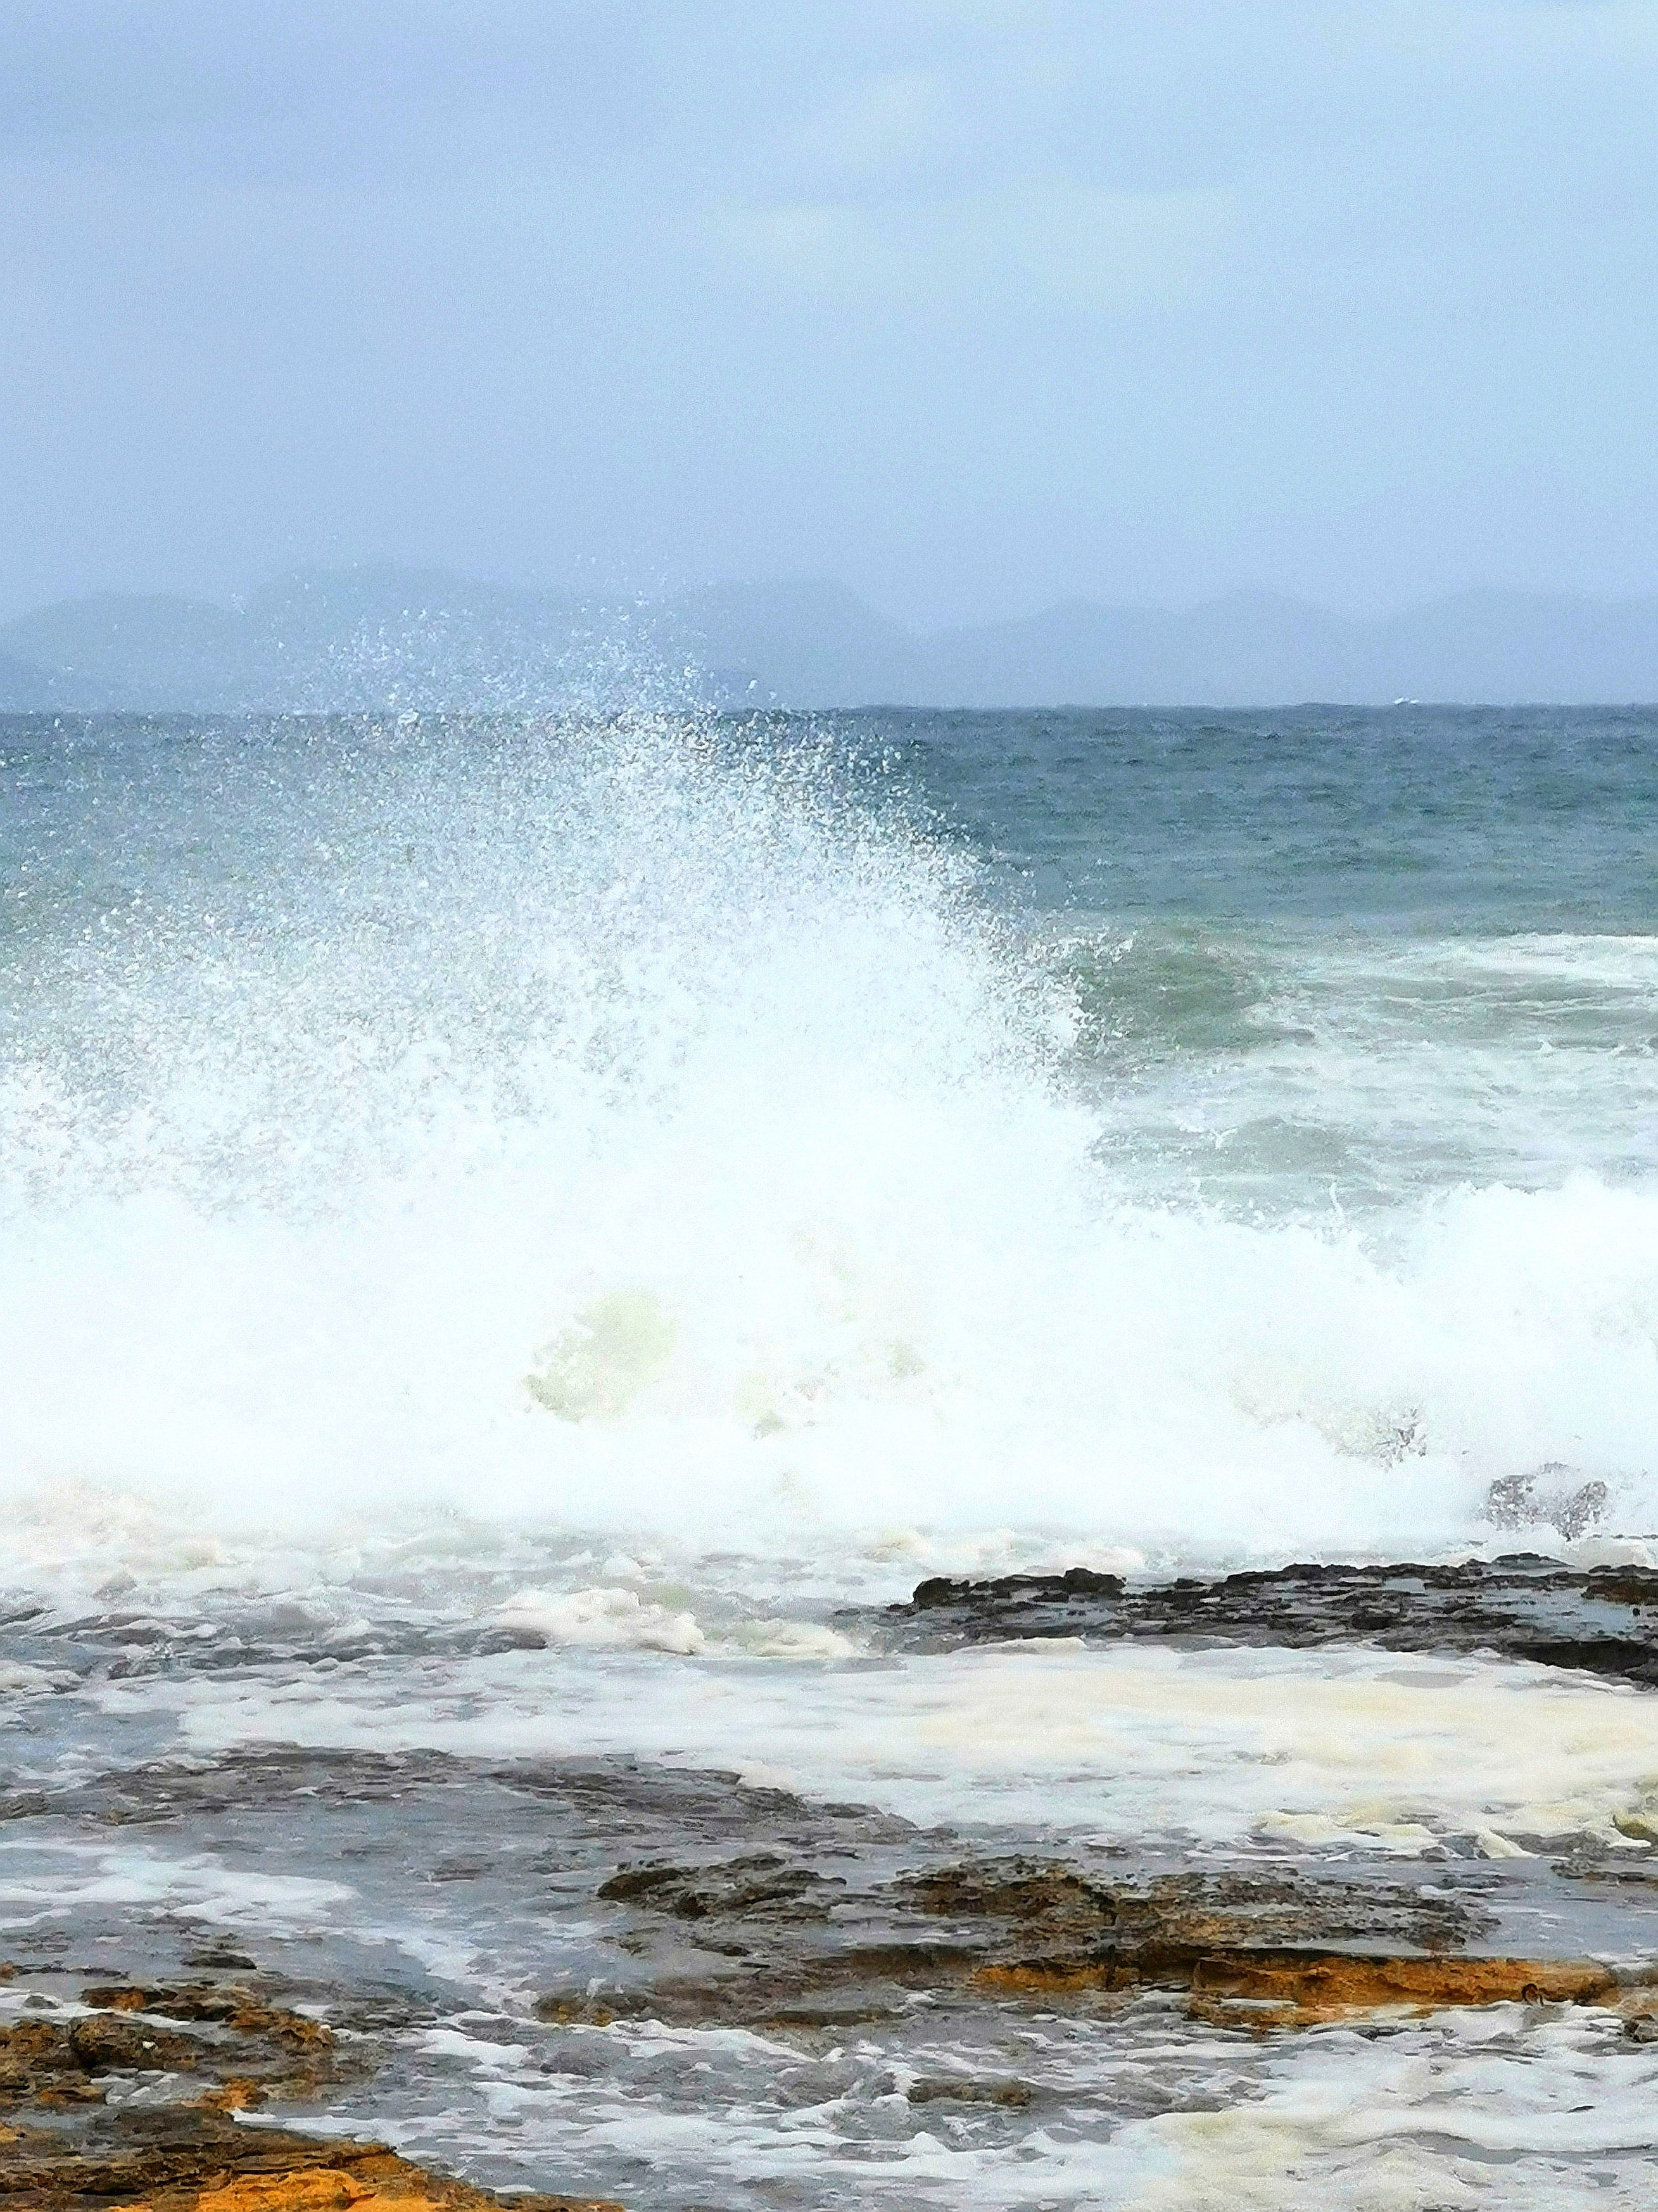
x: 1346, y: 942
x: 1472, y: 819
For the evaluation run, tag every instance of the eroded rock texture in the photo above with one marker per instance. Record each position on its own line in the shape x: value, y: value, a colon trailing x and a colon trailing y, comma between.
x: 198, y: 2163
x: 910, y: 1977
x: 1523, y: 1607
x: 773, y: 1946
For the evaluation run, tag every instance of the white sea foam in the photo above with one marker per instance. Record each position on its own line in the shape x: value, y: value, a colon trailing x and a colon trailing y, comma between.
x: 1484, y: 2111
x: 193, y: 1887
x: 1512, y: 2106
x: 21, y: 1681
x: 601, y: 1621
x: 1348, y: 1748
x: 601, y: 1131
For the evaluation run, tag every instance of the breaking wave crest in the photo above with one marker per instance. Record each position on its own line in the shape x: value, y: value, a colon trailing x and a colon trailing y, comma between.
x: 636, y: 1125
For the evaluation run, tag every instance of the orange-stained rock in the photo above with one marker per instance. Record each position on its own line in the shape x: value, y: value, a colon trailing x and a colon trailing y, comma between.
x: 226, y: 2005
x: 235, y: 2095
x: 255, y: 2171
x: 377, y: 2178
x: 292, y: 2192
x: 1284, y: 1987
x: 1324, y: 1988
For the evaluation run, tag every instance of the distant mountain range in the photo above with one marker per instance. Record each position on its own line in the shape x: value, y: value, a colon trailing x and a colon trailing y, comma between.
x: 369, y: 639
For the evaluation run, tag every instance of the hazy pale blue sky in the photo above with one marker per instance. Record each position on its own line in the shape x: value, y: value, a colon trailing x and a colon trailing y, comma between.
x: 974, y: 306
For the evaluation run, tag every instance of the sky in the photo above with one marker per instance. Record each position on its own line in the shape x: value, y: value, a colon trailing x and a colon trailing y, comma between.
x: 974, y: 307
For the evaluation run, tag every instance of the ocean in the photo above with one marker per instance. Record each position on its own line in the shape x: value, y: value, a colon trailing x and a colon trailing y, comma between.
x: 520, y: 1236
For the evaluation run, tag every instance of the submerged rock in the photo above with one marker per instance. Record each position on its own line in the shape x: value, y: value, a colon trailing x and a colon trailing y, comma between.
x: 1295, y: 1948
x: 238, y: 2049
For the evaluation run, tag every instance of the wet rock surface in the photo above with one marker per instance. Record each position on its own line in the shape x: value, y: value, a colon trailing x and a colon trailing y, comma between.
x: 232, y: 1975
x: 200, y: 2162
x: 236, y: 2047
x: 688, y: 1901
x: 116, y: 2092
x: 1604, y: 1619
x: 777, y: 1952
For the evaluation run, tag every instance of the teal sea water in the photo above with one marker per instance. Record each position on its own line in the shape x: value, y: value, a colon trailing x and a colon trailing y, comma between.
x: 1338, y: 943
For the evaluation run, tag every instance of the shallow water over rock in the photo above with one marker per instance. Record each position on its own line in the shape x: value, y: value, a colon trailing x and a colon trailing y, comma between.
x: 641, y: 1976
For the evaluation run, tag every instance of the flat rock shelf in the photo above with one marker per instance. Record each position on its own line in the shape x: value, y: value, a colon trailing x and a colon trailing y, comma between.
x: 310, y: 1976
x: 1522, y: 1605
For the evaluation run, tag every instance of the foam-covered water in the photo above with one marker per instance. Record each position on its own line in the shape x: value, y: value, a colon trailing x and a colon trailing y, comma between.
x: 660, y: 1128
x: 1377, y: 1750
x: 635, y: 1182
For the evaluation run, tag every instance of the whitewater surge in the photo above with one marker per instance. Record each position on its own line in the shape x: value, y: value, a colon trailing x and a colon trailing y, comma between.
x: 519, y: 1239
x: 1384, y: 1752
x: 417, y: 1137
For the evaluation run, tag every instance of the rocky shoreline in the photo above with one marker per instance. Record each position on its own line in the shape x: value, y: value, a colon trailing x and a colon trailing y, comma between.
x: 768, y: 1941
x: 70, y: 2141
x: 143, y: 2055
x: 196, y: 2165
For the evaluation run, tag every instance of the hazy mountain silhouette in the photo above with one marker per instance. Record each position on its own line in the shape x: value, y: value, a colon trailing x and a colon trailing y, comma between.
x: 119, y: 651
x: 810, y: 644
x: 378, y: 637
x: 24, y: 689
x: 1248, y: 650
